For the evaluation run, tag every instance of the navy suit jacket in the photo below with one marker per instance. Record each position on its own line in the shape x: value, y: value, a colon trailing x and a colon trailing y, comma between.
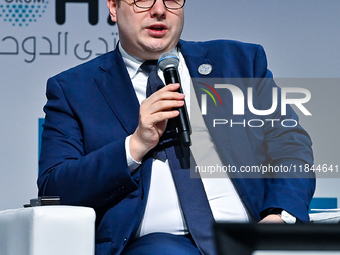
x: 92, y: 108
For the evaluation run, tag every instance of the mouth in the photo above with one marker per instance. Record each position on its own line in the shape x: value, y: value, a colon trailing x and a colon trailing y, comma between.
x: 157, y: 29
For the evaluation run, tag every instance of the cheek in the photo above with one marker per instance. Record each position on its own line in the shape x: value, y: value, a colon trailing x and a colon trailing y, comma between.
x: 126, y: 29
x: 179, y: 23
x: 179, y: 28
x: 126, y: 24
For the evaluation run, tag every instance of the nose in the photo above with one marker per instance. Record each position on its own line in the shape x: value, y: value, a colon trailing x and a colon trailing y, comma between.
x: 158, y: 9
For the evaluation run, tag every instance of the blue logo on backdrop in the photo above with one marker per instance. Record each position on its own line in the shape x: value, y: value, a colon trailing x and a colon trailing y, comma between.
x: 22, y: 12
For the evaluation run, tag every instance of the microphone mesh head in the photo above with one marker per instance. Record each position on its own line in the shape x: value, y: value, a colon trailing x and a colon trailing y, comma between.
x: 168, y: 59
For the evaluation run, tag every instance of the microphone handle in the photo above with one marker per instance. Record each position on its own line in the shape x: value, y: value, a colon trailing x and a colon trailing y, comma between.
x: 182, y: 120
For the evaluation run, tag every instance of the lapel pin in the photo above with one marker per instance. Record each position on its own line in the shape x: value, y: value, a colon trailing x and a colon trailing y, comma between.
x: 205, y: 69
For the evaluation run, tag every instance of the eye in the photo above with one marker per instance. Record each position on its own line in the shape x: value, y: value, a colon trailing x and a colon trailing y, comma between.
x: 174, y: 3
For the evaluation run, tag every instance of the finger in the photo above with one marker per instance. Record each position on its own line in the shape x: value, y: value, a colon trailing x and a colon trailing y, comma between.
x: 162, y: 105
x: 150, y: 121
x: 163, y: 95
x: 167, y: 92
x: 171, y: 87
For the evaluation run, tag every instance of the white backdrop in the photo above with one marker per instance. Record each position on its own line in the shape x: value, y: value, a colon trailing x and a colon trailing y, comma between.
x: 300, y: 37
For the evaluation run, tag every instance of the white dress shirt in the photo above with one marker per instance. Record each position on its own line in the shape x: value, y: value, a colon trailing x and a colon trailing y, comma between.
x: 163, y: 212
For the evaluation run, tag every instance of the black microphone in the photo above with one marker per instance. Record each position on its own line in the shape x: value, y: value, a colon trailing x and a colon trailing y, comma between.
x: 168, y: 63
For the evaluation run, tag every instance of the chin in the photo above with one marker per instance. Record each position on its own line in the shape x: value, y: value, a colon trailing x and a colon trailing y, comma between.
x: 159, y: 45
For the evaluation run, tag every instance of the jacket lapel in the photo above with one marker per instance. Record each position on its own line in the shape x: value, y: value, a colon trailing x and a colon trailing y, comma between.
x: 116, y: 86
x: 195, y: 55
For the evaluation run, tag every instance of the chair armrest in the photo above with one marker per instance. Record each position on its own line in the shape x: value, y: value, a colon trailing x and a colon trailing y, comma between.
x: 47, y: 230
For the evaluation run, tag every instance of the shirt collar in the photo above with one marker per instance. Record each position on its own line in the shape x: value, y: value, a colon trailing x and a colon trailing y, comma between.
x: 133, y: 63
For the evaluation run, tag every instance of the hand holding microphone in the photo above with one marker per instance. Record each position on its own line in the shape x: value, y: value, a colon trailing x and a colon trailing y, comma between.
x: 153, y: 115
x: 168, y: 63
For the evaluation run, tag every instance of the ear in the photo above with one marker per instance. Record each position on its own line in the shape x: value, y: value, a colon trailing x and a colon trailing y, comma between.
x: 112, y: 5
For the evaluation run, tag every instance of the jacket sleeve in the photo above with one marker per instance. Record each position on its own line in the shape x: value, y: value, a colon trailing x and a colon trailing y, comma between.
x: 288, y: 146
x: 66, y: 169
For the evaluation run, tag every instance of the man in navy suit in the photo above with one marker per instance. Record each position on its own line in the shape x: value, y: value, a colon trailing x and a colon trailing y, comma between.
x: 100, y: 131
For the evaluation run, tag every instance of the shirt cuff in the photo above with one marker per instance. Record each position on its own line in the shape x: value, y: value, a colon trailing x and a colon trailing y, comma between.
x: 132, y: 164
